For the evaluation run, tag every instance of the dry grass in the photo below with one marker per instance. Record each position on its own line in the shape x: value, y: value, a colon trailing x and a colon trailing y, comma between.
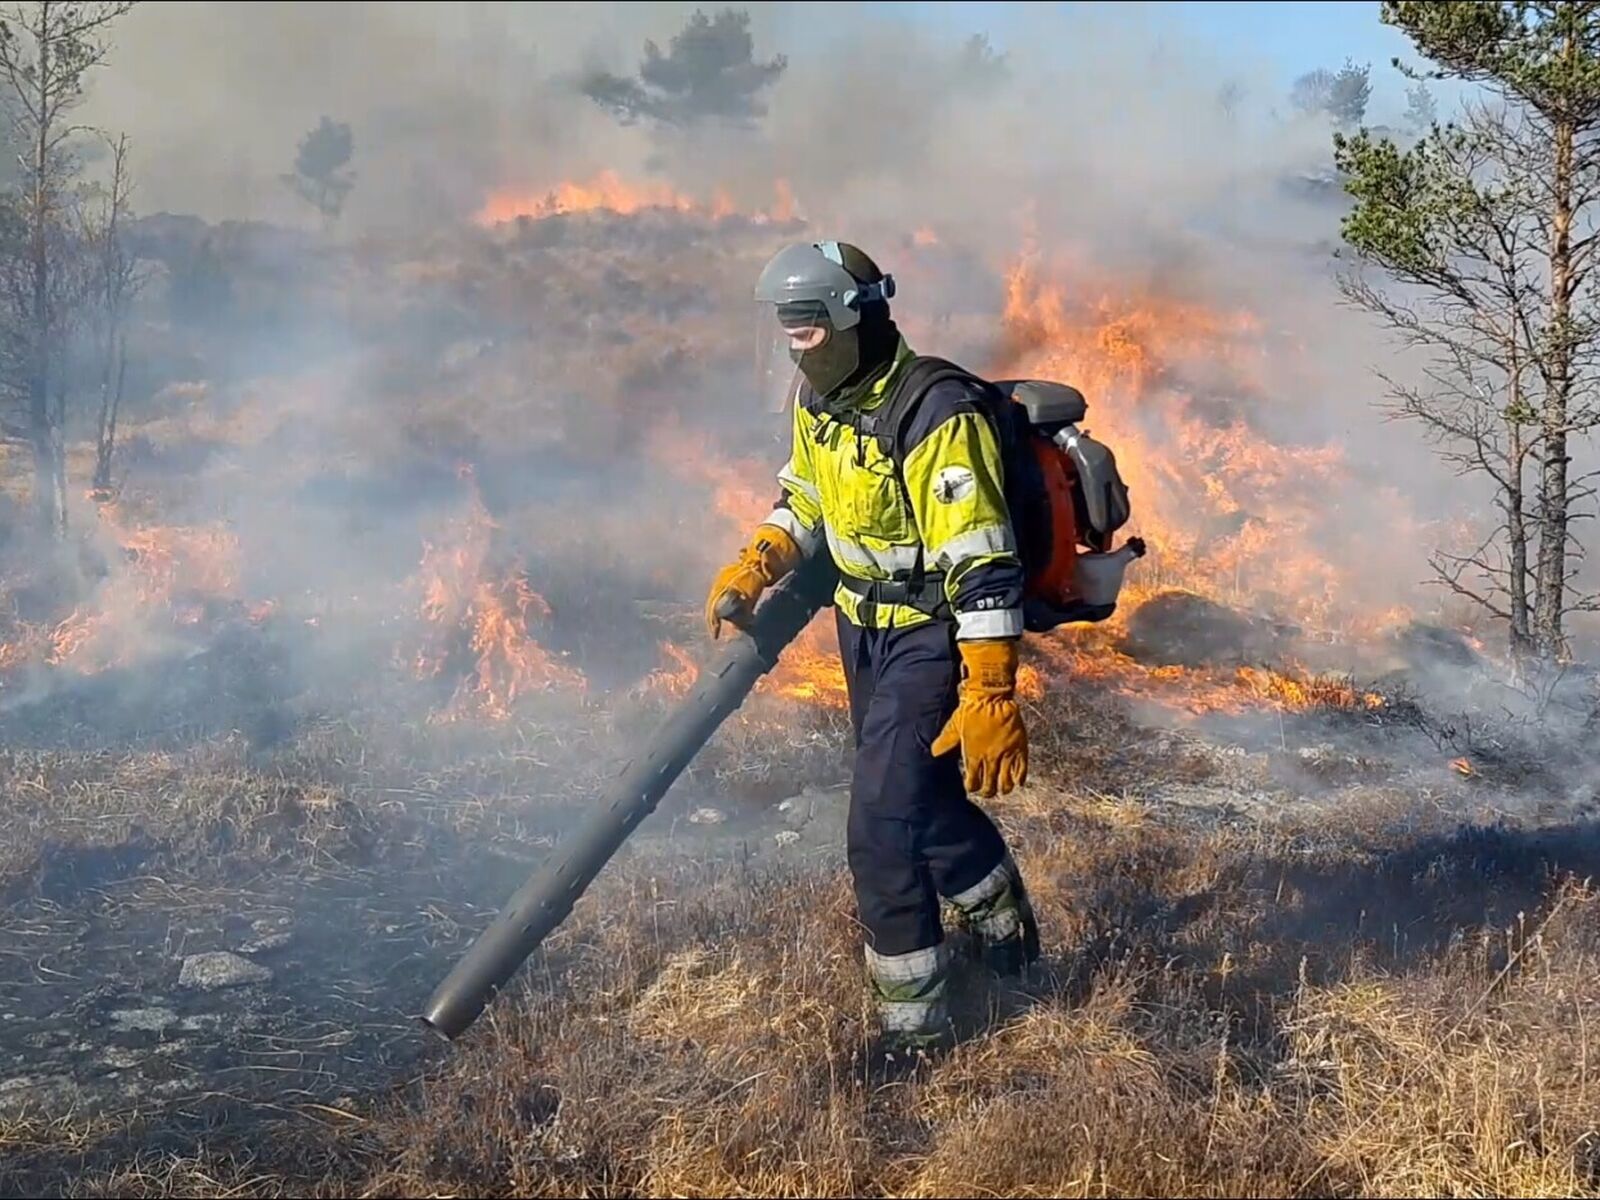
x: 1205, y: 1027
x: 1364, y: 998
x: 58, y: 806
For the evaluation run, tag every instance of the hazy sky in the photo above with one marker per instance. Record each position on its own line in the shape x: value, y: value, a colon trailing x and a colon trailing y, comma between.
x: 215, y: 95
x: 1287, y: 39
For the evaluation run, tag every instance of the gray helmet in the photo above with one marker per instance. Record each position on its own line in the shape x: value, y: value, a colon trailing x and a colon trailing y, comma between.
x: 835, y: 275
x: 824, y: 285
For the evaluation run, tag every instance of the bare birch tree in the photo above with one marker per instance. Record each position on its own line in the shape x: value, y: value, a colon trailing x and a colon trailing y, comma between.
x: 117, y: 281
x: 47, y: 48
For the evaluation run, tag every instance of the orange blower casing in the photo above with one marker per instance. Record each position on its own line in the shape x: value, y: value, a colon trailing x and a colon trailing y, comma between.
x: 1053, y: 583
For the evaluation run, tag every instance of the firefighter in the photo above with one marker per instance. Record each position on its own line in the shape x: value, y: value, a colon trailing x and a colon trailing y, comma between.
x: 929, y: 614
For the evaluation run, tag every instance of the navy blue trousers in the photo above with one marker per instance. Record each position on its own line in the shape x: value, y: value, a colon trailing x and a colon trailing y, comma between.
x: 913, y: 834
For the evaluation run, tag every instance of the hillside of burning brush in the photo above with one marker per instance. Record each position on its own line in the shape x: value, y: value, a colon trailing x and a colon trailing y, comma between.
x: 417, y: 395
x: 502, y: 459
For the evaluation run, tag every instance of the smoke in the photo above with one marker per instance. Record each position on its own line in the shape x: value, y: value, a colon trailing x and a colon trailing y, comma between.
x: 568, y: 362
x: 443, y: 98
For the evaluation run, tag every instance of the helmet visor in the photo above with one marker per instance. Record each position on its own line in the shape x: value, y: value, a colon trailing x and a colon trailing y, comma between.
x: 785, y: 335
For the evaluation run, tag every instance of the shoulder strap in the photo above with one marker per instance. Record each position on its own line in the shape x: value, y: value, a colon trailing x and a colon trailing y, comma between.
x: 889, y: 422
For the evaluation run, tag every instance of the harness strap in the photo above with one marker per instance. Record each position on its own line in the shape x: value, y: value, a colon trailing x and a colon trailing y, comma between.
x: 890, y: 424
x: 923, y: 590
x: 924, y: 593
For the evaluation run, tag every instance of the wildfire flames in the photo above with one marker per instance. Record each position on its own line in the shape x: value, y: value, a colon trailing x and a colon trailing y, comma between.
x: 609, y: 192
x: 465, y: 599
x: 1228, y: 513
x: 742, y: 492
x: 675, y: 677
x: 1191, y: 690
x: 168, y: 570
x: 160, y: 579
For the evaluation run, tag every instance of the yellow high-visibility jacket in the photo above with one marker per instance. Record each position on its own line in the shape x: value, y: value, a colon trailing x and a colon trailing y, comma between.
x: 839, y: 488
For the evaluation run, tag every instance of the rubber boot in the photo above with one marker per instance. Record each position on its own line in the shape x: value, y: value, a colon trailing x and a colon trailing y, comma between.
x: 998, y: 911
x: 910, y: 993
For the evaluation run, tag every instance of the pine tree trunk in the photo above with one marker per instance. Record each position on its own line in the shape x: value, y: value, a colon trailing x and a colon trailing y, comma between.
x: 1550, y: 603
x: 48, y: 487
x: 1517, y: 535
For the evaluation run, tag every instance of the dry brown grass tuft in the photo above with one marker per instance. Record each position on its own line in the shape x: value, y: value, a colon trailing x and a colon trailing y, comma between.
x: 198, y: 802
x: 1472, y: 1079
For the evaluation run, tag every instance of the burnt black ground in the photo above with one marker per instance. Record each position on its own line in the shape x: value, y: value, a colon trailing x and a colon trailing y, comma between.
x: 97, y: 1037
x: 96, y: 1025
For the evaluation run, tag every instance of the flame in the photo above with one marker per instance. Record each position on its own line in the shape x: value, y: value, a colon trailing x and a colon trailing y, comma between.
x: 607, y: 191
x: 675, y: 677
x: 809, y: 670
x: 1227, y: 512
x: 166, y: 576
x: 463, y: 597
x: 29, y: 643
x: 742, y: 492
x: 1086, y: 657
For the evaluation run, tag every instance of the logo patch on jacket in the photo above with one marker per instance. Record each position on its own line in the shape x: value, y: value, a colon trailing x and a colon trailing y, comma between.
x: 952, y: 484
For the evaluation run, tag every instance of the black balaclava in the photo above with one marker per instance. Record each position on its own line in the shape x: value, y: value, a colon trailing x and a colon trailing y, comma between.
x: 849, y: 357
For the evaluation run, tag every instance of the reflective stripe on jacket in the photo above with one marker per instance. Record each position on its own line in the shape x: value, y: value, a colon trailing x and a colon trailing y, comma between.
x: 840, y: 489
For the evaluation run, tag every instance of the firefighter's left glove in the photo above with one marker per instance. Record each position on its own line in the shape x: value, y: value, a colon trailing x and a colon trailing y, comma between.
x: 987, y: 724
x: 771, y: 555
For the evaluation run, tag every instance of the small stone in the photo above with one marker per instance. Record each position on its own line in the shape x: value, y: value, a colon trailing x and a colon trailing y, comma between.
x: 120, y: 1058
x: 786, y: 837
x: 149, y: 1020
x: 268, y: 941
x: 707, y: 816
x: 220, y: 969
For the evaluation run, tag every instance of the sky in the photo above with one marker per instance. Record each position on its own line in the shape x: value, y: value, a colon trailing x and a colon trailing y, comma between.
x: 481, y: 77
x: 1285, y: 39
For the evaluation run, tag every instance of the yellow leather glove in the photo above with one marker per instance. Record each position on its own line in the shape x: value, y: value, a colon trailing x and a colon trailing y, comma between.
x: 771, y: 555
x: 987, y: 724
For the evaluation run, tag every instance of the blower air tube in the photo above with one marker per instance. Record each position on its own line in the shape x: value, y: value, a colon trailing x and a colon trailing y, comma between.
x: 546, y: 900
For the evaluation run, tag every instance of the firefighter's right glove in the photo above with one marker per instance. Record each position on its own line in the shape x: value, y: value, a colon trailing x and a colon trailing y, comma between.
x: 771, y: 555
x: 987, y: 724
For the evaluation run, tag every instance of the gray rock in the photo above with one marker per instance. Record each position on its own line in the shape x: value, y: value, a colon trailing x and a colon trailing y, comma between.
x: 267, y: 941
x: 707, y: 816
x: 220, y: 969
x: 149, y: 1020
x: 786, y: 837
